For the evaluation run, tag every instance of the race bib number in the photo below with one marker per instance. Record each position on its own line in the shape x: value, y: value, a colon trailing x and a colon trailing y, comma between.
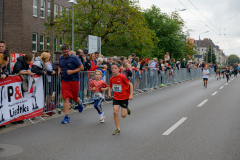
x: 97, y: 95
x: 117, y: 88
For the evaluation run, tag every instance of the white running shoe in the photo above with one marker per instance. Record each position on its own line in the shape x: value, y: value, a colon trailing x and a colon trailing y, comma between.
x: 102, y: 121
x: 102, y: 117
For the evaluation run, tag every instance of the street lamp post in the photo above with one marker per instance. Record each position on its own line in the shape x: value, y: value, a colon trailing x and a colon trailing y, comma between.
x: 199, y: 43
x: 73, y: 2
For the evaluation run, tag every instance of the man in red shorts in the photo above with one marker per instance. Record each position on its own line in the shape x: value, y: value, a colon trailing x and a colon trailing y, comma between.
x: 69, y: 66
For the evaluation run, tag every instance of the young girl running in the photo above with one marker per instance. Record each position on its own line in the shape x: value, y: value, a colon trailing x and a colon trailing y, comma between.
x: 205, y: 75
x: 99, y: 86
x: 120, y: 85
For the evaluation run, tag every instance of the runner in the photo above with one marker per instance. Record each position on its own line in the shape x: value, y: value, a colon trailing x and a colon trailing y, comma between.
x: 205, y: 75
x: 120, y: 85
x: 218, y: 71
x: 69, y: 66
x: 223, y: 70
x: 227, y: 73
x: 99, y: 86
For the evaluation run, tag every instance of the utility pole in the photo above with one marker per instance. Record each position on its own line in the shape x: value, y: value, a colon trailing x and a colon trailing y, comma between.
x: 52, y: 30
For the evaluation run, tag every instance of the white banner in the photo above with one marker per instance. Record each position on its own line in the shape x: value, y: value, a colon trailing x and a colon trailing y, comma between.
x: 17, y: 105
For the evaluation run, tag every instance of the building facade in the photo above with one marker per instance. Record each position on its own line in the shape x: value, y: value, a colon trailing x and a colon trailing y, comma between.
x: 23, y: 26
x: 203, y: 46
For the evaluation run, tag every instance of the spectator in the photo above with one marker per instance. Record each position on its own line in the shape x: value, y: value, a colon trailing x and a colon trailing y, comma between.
x: 153, y: 68
x: 109, y: 64
x: 39, y: 65
x: 22, y: 65
x: 97, y: 56
x: 133, y: 58
x: 3, y: 50
x: 184, y: 63
x: 92, y: 59
x: 83, y: 58
x: 167, y: 57
x: 4, y: 72
x: 115, y: 58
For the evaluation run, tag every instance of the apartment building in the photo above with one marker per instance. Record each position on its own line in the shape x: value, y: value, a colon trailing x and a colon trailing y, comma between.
x: 22, y: 26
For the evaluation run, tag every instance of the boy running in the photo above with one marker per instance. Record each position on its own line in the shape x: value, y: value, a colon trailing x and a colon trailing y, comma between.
x: 99, y: 86
x: 205, y: 76
x: 120, y: 85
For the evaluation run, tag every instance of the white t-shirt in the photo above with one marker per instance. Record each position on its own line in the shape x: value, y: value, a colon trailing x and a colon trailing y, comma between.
x: 205, y: 73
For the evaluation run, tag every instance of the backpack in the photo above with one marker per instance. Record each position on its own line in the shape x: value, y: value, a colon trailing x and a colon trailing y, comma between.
x: 48, y: 109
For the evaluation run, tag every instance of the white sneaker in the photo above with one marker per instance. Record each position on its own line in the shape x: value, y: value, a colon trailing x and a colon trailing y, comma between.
x: 102, y: 121
x: 102, y: 117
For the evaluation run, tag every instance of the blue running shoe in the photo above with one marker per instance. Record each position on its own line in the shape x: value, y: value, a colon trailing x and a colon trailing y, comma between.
x: 80, y: 107
x: 66, y: 120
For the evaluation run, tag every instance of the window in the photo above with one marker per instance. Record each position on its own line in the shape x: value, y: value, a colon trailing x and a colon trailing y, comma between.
x: 41, y: 42
x: 67, y: 11
x: 49, y: 9
x: 55, y: 10
x: 61, y: 10
x: 34, y: 42
x: 35, y: 8
x: 61, y: 42
x: 42, y: 9
x: 55, y: 44
x: 48, y: 43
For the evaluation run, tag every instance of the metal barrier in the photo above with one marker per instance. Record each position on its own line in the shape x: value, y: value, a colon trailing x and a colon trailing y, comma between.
x: 143, y: 81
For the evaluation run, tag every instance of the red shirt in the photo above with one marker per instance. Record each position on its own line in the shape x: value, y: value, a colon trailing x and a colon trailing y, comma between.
x: 98, y: 85
x: 120, y: 86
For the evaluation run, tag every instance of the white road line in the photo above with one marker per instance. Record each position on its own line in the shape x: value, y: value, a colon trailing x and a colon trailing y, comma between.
x: 174, y: 126
x: 221, y: 87
x: 226, y: 84
x: 201, y: 104
x: 214, y: 93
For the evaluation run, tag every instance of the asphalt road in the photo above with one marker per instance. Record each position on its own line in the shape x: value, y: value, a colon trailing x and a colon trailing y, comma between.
x: 180, y: 122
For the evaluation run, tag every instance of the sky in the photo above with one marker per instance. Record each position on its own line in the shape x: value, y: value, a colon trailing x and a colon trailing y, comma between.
x: 220, y: 17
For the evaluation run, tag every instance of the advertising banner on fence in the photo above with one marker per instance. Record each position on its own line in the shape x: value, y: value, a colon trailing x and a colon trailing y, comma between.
x: 17, y: 105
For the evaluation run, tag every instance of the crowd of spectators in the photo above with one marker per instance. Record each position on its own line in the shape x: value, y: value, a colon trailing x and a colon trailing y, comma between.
x: 91, y: 62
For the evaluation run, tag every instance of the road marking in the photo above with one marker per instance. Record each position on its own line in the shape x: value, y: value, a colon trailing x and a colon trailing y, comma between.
x: 174, y: 126
x: 221, y: 87
x: 226, y: 84
x: 214, y: 93
x: 201, y: 104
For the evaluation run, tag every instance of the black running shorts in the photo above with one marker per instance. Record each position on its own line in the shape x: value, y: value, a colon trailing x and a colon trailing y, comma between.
x: 122, y: 103
x: 205, y: 79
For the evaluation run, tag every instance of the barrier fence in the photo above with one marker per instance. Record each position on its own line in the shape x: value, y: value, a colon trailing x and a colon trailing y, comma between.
x: 143, y: 81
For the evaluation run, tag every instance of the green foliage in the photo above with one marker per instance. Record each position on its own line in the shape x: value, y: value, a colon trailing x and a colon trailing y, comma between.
x: 119, y: 23
x: 168, y: 30
x: 233, y: 59
x: 207, y: 59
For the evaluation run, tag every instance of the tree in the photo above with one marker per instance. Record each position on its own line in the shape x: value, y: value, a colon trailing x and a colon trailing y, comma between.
x: 233, y: 59
x: 168, y: 29
x: 119, y: 23
x: 208, y: 59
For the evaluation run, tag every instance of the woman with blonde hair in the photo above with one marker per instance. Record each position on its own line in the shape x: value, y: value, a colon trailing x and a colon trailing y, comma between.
x: 43, y: 66
x: 167, y: 57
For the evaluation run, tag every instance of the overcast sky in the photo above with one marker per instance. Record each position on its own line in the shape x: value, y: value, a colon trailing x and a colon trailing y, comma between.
x: 222, y: 17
